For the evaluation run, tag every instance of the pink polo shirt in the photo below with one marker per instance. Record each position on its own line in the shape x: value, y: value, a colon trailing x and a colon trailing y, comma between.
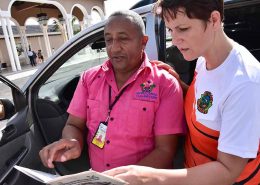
x: 151, y: 105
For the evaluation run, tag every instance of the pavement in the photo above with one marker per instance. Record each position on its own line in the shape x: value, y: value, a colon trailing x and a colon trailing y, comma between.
x: 27, y: 70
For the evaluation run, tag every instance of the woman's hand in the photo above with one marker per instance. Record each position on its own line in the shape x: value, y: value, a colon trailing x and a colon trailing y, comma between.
x: 168, y: 68
x: 134, y: 175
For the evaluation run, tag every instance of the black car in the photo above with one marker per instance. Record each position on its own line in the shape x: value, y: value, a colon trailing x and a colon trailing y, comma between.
x: 37, y: 111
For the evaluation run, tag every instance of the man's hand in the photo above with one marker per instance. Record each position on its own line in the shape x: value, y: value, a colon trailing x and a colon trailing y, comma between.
x: 69, y: 147
x: 60, y: 151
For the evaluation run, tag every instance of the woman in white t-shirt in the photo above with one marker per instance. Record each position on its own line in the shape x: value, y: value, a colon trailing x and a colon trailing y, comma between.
x: 222, y: 104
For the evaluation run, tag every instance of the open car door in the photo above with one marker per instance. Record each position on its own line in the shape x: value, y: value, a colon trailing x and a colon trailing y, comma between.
x: 18, y: 144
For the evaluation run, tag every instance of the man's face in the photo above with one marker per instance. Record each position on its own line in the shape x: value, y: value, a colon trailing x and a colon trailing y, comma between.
x: 124, y: 44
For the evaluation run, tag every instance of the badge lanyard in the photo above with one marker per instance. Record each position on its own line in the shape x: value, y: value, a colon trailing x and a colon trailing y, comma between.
x: 100, y: 136
x: 111, y: 105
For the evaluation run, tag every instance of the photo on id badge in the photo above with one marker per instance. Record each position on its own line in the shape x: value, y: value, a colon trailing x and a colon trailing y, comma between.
x: 100, y: 136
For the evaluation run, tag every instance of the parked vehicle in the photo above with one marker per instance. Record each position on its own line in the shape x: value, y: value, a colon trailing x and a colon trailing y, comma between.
x: 40, y: 106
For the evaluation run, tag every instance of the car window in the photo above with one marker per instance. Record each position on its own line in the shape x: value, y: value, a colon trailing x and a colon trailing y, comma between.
x: 59, y: 81
x: 73, y: 67
x: 242, y: 24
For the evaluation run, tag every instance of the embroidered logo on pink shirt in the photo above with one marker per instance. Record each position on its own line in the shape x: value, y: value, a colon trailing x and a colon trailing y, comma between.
x: 147, y: 92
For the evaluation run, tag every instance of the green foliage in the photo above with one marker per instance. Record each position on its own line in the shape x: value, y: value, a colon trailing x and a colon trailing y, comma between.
x: 19, y: 49
x: 76, y: 27
x: 55, y: 26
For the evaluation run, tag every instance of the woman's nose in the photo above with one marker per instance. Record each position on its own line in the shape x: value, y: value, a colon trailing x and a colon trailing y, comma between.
x: 176, y: 40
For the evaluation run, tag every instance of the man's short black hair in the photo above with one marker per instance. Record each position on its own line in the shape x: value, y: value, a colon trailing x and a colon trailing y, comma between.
x: 134, y: 17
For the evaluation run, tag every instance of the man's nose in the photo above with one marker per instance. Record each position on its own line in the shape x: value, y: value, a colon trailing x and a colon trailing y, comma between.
x: 115, y: 46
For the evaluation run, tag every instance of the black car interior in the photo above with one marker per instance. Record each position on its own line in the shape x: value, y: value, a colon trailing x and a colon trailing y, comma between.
x: 53, y: 114
x: 242, y: 24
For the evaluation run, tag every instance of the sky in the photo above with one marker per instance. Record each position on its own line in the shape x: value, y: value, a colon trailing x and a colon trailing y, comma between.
x: 113, y: 5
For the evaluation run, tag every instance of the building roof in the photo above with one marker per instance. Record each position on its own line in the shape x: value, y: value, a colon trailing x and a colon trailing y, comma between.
x: 31, y: 29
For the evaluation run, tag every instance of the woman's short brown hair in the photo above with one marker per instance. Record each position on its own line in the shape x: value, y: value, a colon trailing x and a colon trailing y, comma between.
x: 199, y: 9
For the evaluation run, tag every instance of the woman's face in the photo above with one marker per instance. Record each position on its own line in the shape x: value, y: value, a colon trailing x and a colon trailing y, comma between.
x: 192, y: 37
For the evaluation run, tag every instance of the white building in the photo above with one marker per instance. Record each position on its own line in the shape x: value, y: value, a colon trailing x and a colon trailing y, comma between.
x: 43, y: 37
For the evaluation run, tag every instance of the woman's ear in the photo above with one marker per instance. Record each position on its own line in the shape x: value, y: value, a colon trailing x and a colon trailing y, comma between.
x: 216, y: 19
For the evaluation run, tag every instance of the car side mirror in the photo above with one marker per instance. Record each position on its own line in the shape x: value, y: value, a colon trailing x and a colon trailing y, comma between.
x: 99, y: 44
x: 7, y: 109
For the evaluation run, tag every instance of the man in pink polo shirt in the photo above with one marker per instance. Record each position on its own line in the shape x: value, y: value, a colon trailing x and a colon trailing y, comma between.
x: 133, y: 111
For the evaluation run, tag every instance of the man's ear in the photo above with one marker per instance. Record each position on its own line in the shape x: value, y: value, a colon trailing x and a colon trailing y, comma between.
x: 144, y: 40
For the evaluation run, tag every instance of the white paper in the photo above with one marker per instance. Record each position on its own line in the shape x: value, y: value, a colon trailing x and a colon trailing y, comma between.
x: 37, y: 175
x: 83, y: 178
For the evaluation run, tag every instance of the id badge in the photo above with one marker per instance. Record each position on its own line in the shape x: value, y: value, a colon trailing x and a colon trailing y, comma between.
x: 100, y: 136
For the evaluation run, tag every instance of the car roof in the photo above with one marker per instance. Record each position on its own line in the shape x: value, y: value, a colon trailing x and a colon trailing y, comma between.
x: 227, y: 2
x: 142, y: 3
x: 239, y: 3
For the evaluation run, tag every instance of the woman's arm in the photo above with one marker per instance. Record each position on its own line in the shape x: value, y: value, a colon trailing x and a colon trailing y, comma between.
x: 224, y: 171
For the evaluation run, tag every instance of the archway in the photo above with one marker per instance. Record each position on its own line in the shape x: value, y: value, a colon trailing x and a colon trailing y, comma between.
x: 81, y: 14
x: 97, y: 15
